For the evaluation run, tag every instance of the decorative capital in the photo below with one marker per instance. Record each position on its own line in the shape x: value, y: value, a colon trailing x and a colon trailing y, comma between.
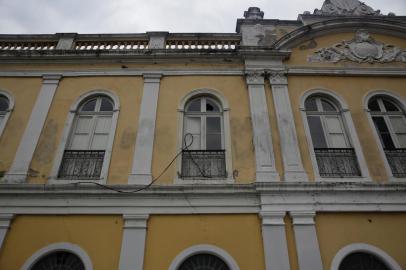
x: 361, y: 49
x: 152, y: 77
x: 51, y: 78
x: 5, y: 220
x: 273, y: 218
x: 255, y: 76
x: 302, y: 217
x: 278, y: 77
x: 136, y: 221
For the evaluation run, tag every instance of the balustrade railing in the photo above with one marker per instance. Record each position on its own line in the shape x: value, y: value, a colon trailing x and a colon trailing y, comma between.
x: 111, y: 45
x: 203, y: 164
x: 337, y: 162
x: 397, y: 161
x: 201, y: 44
x: 81, y: 164
x: 27, y: 45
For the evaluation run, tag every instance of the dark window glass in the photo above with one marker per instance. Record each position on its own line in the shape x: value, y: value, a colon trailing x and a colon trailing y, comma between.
x: 389, y: 106
x: 59, y: 261
x: 194, y: 106
x: 106, y: 105
x: 383, y: 132
x: 3, y: 104
x: 374, y: 106
x: 310, y: 105
x: 316, y: 131
x: 362, y: 261
x: 89, y: 106
x: 211, y: 106
x: 203, y: 262
x: 327, y: 106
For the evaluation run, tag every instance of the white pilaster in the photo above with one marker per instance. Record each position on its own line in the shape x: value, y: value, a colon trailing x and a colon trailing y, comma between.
x: 133, y: 243
x: 5, y: 220
x: 19, y: 169
x: 264, y: 156
x: 141, y: 168
x: 307, y: 245
x: 274, y: 239
x: 289, y: 144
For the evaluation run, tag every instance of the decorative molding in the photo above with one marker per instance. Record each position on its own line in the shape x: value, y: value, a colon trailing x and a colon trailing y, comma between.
x: 361, y: 247
x: 362, y: 49
x: 346, y: 7
x: 278, y: 77
x: 254, y: 77
x: 75, y: 249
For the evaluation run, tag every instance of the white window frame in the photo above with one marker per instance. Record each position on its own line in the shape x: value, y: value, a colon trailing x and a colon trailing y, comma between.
x: 350, y: 133
x: 63, y: 246
x: 67, y: 130
x: 206, y: 249
x: 401, y: 102
x: 361, y: 247
x: 10, y: 98
x: 226, y: 136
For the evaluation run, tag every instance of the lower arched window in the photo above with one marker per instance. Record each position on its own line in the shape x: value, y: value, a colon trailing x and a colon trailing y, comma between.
x: 60, y: 260
x: 362, y: 261
x: 203, y: 262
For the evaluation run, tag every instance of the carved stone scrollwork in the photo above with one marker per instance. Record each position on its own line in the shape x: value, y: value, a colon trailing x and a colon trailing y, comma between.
x: 254, y: 76
x: 362, y: 49
x: 346, y: 8
x: 277, y: 77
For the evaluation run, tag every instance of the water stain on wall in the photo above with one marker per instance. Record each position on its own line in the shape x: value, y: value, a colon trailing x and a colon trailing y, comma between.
x: 47, y: 144
x: 128, y: 138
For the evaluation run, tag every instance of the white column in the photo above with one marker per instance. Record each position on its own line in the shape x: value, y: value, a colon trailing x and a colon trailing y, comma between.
x: 144, y: 145
x: 264, y: 156
x: 133, y: 243
x: 5, y: 220
x: 19, y: 169
x: 307, y: 245
x: 289, y: 144
x: 274, y: 239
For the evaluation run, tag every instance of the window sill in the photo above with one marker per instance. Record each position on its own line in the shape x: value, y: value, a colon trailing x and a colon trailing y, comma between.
x: 72, y: 181
x: 343, y: 179
x: 203, y: 181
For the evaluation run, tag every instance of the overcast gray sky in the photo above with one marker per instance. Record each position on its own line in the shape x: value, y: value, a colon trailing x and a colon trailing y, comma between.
x: 137, y: 16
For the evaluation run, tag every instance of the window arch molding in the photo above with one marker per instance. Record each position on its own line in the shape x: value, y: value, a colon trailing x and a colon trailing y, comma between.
x: 62, y: 246
x: 10, y: 108
x: 401, y: 102
x: 348, y: 126
x: 207, y: 249
x: 215, y: 94
x: 68, y: 127
x: 362, y: 247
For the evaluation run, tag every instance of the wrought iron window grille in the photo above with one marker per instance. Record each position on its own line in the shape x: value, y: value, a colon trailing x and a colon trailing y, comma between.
x: 337, y: 162
x: 197, y: 164
x: 81, y: 164
x: 397, y: 161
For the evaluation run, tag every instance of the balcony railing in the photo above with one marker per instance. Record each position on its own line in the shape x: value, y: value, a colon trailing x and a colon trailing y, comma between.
x: 397, y: 161
x: 203, y: 164
x: 81, y: 164
x: 337, y: 162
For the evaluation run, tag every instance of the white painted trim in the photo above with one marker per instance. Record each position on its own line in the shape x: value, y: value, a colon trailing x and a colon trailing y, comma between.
x: 400, y: 101
x: 11, y: 103
x: 307, y: 245
x: 208, y: 249
x: 22, y: 160
x: 5, y: 221
x: 141, y: 171
x: 133, y: 242
x: 227, y: 136
x: 63, y: 246
x: 361, y: 247
x: 67, y: 130
x: 351, y: 133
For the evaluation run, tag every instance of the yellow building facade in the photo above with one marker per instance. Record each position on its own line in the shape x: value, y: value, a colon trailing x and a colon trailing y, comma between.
x: 279, y: 147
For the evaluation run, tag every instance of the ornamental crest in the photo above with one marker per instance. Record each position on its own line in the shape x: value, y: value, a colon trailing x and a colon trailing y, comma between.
x: 362, y: 49
x: 346, y: 7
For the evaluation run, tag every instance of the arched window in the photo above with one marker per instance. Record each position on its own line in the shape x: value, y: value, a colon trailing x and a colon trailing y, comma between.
x: 203, y: 262
x: 332, y: 146
x: 390, y: 123
x: 203, y: 139
x: 6, y: 105
x: 88, y: 140
x: 59, y: 260
x: 362, y: 260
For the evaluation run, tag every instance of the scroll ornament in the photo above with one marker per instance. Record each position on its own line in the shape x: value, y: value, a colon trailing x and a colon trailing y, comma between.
x: 362, y: 49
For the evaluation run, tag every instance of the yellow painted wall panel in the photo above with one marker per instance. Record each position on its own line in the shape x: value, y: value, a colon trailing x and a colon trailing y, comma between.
x: 25, y: 92
x: 129, y: 92
x: 238, y: 235
x: 386, y: 231
x: 99, y: 236
x: 172, y: 90
x: 352, y: 90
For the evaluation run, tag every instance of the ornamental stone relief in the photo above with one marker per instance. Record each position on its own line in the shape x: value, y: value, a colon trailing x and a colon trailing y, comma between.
x: 362, y: 49
x: 345, y: 7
